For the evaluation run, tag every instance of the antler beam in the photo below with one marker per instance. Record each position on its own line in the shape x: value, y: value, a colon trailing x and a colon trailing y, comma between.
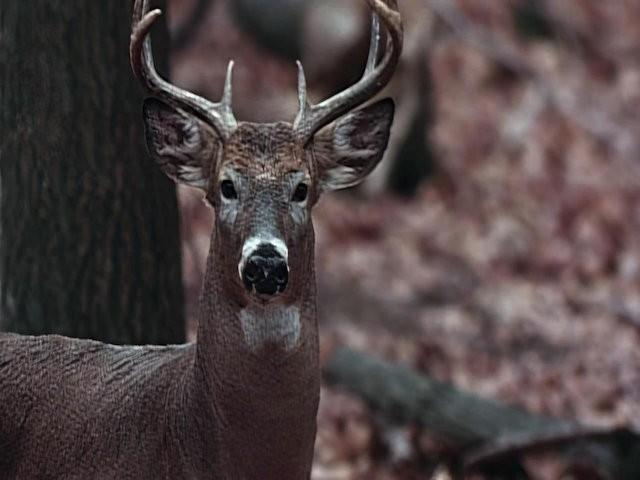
x: 312, y: 118
x: 219, y: 115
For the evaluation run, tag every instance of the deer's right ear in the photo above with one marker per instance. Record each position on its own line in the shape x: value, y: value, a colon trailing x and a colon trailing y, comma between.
x: 180, y: 143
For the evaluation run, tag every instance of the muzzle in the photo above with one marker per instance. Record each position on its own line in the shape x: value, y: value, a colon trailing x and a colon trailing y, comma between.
x: 263, y: 268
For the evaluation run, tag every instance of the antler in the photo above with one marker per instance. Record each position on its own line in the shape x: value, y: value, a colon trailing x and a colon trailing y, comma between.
x: 312, y: 118
x: 219, y: 115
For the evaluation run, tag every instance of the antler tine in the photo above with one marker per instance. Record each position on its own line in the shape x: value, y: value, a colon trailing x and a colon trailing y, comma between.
x: 219, y: 115
x: 374, y: 45
x: 312, y: 118
x: 226, y: 108
x: 303, y: 104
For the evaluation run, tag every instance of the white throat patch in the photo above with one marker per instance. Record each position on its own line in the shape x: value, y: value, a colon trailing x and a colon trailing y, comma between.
x: 277, y: 325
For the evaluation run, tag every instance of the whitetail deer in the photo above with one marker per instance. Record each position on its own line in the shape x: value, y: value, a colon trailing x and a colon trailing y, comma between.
x: 241, y: 402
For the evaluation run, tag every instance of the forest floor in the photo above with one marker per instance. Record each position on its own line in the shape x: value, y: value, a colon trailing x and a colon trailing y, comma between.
x: 514, y: 272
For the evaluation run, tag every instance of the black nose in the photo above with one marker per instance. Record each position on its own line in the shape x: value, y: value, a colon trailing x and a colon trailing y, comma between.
x: 266, y: 271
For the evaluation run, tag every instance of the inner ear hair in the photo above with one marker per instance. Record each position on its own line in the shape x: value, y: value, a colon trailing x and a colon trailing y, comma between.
x: 181, y: 144
x: 349, y: 151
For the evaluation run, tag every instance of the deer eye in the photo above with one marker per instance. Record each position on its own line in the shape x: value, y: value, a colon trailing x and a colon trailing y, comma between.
x: 300, y: 193
x: 228, y: 190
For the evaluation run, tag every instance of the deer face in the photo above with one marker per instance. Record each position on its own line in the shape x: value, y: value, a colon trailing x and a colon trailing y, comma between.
x: 262, y: 183
x: 263, y: 179
x: 261, y: 196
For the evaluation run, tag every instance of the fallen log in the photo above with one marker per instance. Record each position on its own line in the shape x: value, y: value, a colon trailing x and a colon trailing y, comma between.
x: 406, y: 396
x: 484, y: 431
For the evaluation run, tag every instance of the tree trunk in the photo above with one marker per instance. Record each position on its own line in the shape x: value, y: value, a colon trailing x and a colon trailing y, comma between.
x: 90, y: 241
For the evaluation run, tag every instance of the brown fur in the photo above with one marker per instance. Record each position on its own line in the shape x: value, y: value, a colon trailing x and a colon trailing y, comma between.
x: 225, y: 407
x: 74, y: 409
x: 78, y: 409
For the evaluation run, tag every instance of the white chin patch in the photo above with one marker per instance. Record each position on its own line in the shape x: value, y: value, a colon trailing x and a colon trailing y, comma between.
x: 276, y: 325
x: 252, y: 244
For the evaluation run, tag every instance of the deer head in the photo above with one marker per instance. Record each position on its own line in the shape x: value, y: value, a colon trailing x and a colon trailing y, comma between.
x: 262, y: 180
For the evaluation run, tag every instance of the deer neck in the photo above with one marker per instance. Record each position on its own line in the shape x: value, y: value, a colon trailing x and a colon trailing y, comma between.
x: 257, y: 375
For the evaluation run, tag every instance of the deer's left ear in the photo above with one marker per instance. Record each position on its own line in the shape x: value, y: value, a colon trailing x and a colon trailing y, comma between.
x: 349, y: 151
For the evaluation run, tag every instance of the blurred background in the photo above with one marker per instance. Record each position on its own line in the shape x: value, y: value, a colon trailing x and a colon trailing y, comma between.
x: 479, y: 294
x: 497, y: 247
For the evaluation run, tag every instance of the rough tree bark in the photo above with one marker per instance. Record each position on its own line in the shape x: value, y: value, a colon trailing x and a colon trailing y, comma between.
x: 90, y: 242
